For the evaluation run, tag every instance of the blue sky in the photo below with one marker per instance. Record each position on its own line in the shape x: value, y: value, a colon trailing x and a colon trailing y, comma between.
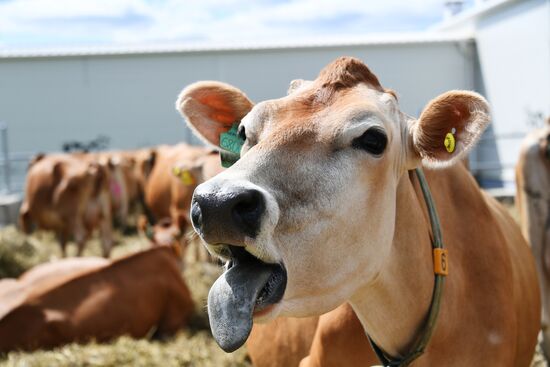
x: 67, y: 23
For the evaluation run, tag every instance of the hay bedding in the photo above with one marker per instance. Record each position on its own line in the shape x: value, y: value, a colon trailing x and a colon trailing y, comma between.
x: 191, y: 347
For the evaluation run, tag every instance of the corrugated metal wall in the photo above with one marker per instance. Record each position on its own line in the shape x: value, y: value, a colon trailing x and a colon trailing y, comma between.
x: 130, y: 98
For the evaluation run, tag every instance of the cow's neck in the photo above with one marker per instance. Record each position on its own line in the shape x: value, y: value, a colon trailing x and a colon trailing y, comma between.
x: 393, y: 307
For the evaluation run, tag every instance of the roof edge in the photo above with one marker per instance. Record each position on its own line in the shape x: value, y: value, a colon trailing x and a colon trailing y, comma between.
x: 374, y: 39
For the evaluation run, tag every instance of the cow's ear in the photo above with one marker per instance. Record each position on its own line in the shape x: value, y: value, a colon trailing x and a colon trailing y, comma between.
x: 448, y: 128
x: 211, y: 108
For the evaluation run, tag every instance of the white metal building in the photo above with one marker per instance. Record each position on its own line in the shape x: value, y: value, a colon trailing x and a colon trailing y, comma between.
x: 500, y: 48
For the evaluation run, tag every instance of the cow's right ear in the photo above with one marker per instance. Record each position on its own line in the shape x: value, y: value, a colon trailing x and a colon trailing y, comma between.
x: 211, y: 108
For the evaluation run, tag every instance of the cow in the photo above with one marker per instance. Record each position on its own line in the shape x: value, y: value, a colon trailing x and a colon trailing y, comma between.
x: 136, y: 166
x: 117, y: 168
x: 43, y: 277
x: 68, y: 195
x: 325, y: 206
x: 178, y: 170
x: 137, y: 295
x: 127, y: 172
x: 533, y: 202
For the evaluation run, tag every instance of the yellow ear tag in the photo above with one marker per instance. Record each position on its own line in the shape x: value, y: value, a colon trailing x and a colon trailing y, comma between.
x: 187, y: 178
x: 450, y: 141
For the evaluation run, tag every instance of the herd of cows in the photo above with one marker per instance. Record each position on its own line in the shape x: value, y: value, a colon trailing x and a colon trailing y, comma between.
x: 315, y: 222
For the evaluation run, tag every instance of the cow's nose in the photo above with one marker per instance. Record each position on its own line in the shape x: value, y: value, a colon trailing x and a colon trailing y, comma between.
x: 227, y: 215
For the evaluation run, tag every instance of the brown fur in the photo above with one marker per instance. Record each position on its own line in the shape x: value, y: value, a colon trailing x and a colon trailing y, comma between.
x: 532, y: 201
x: 167, y: 197
x: 335, y: 339
x: 130, y: 296
x: 282, y: 342
x: 68, y: 195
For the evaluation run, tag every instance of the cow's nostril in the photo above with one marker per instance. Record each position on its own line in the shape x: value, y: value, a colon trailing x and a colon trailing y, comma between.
x: 227, y: 215
x: 247, y: 211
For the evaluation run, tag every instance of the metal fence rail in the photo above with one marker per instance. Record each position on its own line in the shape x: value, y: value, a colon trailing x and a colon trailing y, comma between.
x: 479, y: 166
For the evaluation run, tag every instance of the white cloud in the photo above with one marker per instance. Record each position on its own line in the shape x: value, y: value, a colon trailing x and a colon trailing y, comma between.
x: 60, y: 22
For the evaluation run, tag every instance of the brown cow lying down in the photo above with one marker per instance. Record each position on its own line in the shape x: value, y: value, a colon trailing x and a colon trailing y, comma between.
x: 68, y: 195
x: 132, y: 295
x: 43, y: 277
x: 533, y: 200
x: 324, y: 207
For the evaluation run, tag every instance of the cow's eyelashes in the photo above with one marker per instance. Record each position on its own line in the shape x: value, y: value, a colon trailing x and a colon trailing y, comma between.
x: 374, y: 141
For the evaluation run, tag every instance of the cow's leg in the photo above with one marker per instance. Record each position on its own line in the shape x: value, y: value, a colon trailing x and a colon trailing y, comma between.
x: 106, y: 233
x: 81, y: 234
x: 63, y: 244
x: 544, y: 275
x: 81, y: 243
x: 106, y: 226
x: 62, y: 238
x: 25, y: 220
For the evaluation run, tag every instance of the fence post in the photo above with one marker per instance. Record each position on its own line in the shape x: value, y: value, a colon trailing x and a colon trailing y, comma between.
x: 6, y: 155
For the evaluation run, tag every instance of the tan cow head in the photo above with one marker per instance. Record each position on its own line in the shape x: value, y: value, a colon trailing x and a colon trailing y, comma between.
x: 307, y: 215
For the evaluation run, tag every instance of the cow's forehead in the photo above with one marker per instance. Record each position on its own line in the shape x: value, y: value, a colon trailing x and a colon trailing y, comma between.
x: 295, y: 118
x: 344, y: 90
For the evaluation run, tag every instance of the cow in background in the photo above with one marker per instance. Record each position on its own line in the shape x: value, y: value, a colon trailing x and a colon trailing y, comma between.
x: 69, y: 196
x: 177, y: 171
x: 90, y: 299
x: 137, y: 167
x: 533, y: 202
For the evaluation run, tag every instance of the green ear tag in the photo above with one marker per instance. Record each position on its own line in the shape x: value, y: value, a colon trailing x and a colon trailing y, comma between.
x: 231, y: 145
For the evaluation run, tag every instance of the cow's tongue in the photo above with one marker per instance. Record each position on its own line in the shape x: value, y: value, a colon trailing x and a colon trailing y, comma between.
x: 232, y: 298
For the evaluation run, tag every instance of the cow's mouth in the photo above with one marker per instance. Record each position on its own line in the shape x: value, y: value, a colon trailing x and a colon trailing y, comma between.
x: 249, y: 285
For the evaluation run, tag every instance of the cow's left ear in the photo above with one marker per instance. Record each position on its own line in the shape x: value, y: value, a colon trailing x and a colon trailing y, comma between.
x: 211, y: 108
x: 448, y: 128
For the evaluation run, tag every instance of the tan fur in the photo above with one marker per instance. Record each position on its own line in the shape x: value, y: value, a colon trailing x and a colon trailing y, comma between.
x: 282, y: 342
x: 68, y: 195
x: 340, y: 342
x: 533, y: 200
x: 168, y: 198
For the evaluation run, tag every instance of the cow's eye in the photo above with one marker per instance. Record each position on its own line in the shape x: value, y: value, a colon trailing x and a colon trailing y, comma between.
x: 374, y: 141
x: 241, y: 132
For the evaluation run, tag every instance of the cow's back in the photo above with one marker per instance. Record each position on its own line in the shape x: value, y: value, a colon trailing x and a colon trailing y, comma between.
x: 130, y: 296
x: 158, y: 190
